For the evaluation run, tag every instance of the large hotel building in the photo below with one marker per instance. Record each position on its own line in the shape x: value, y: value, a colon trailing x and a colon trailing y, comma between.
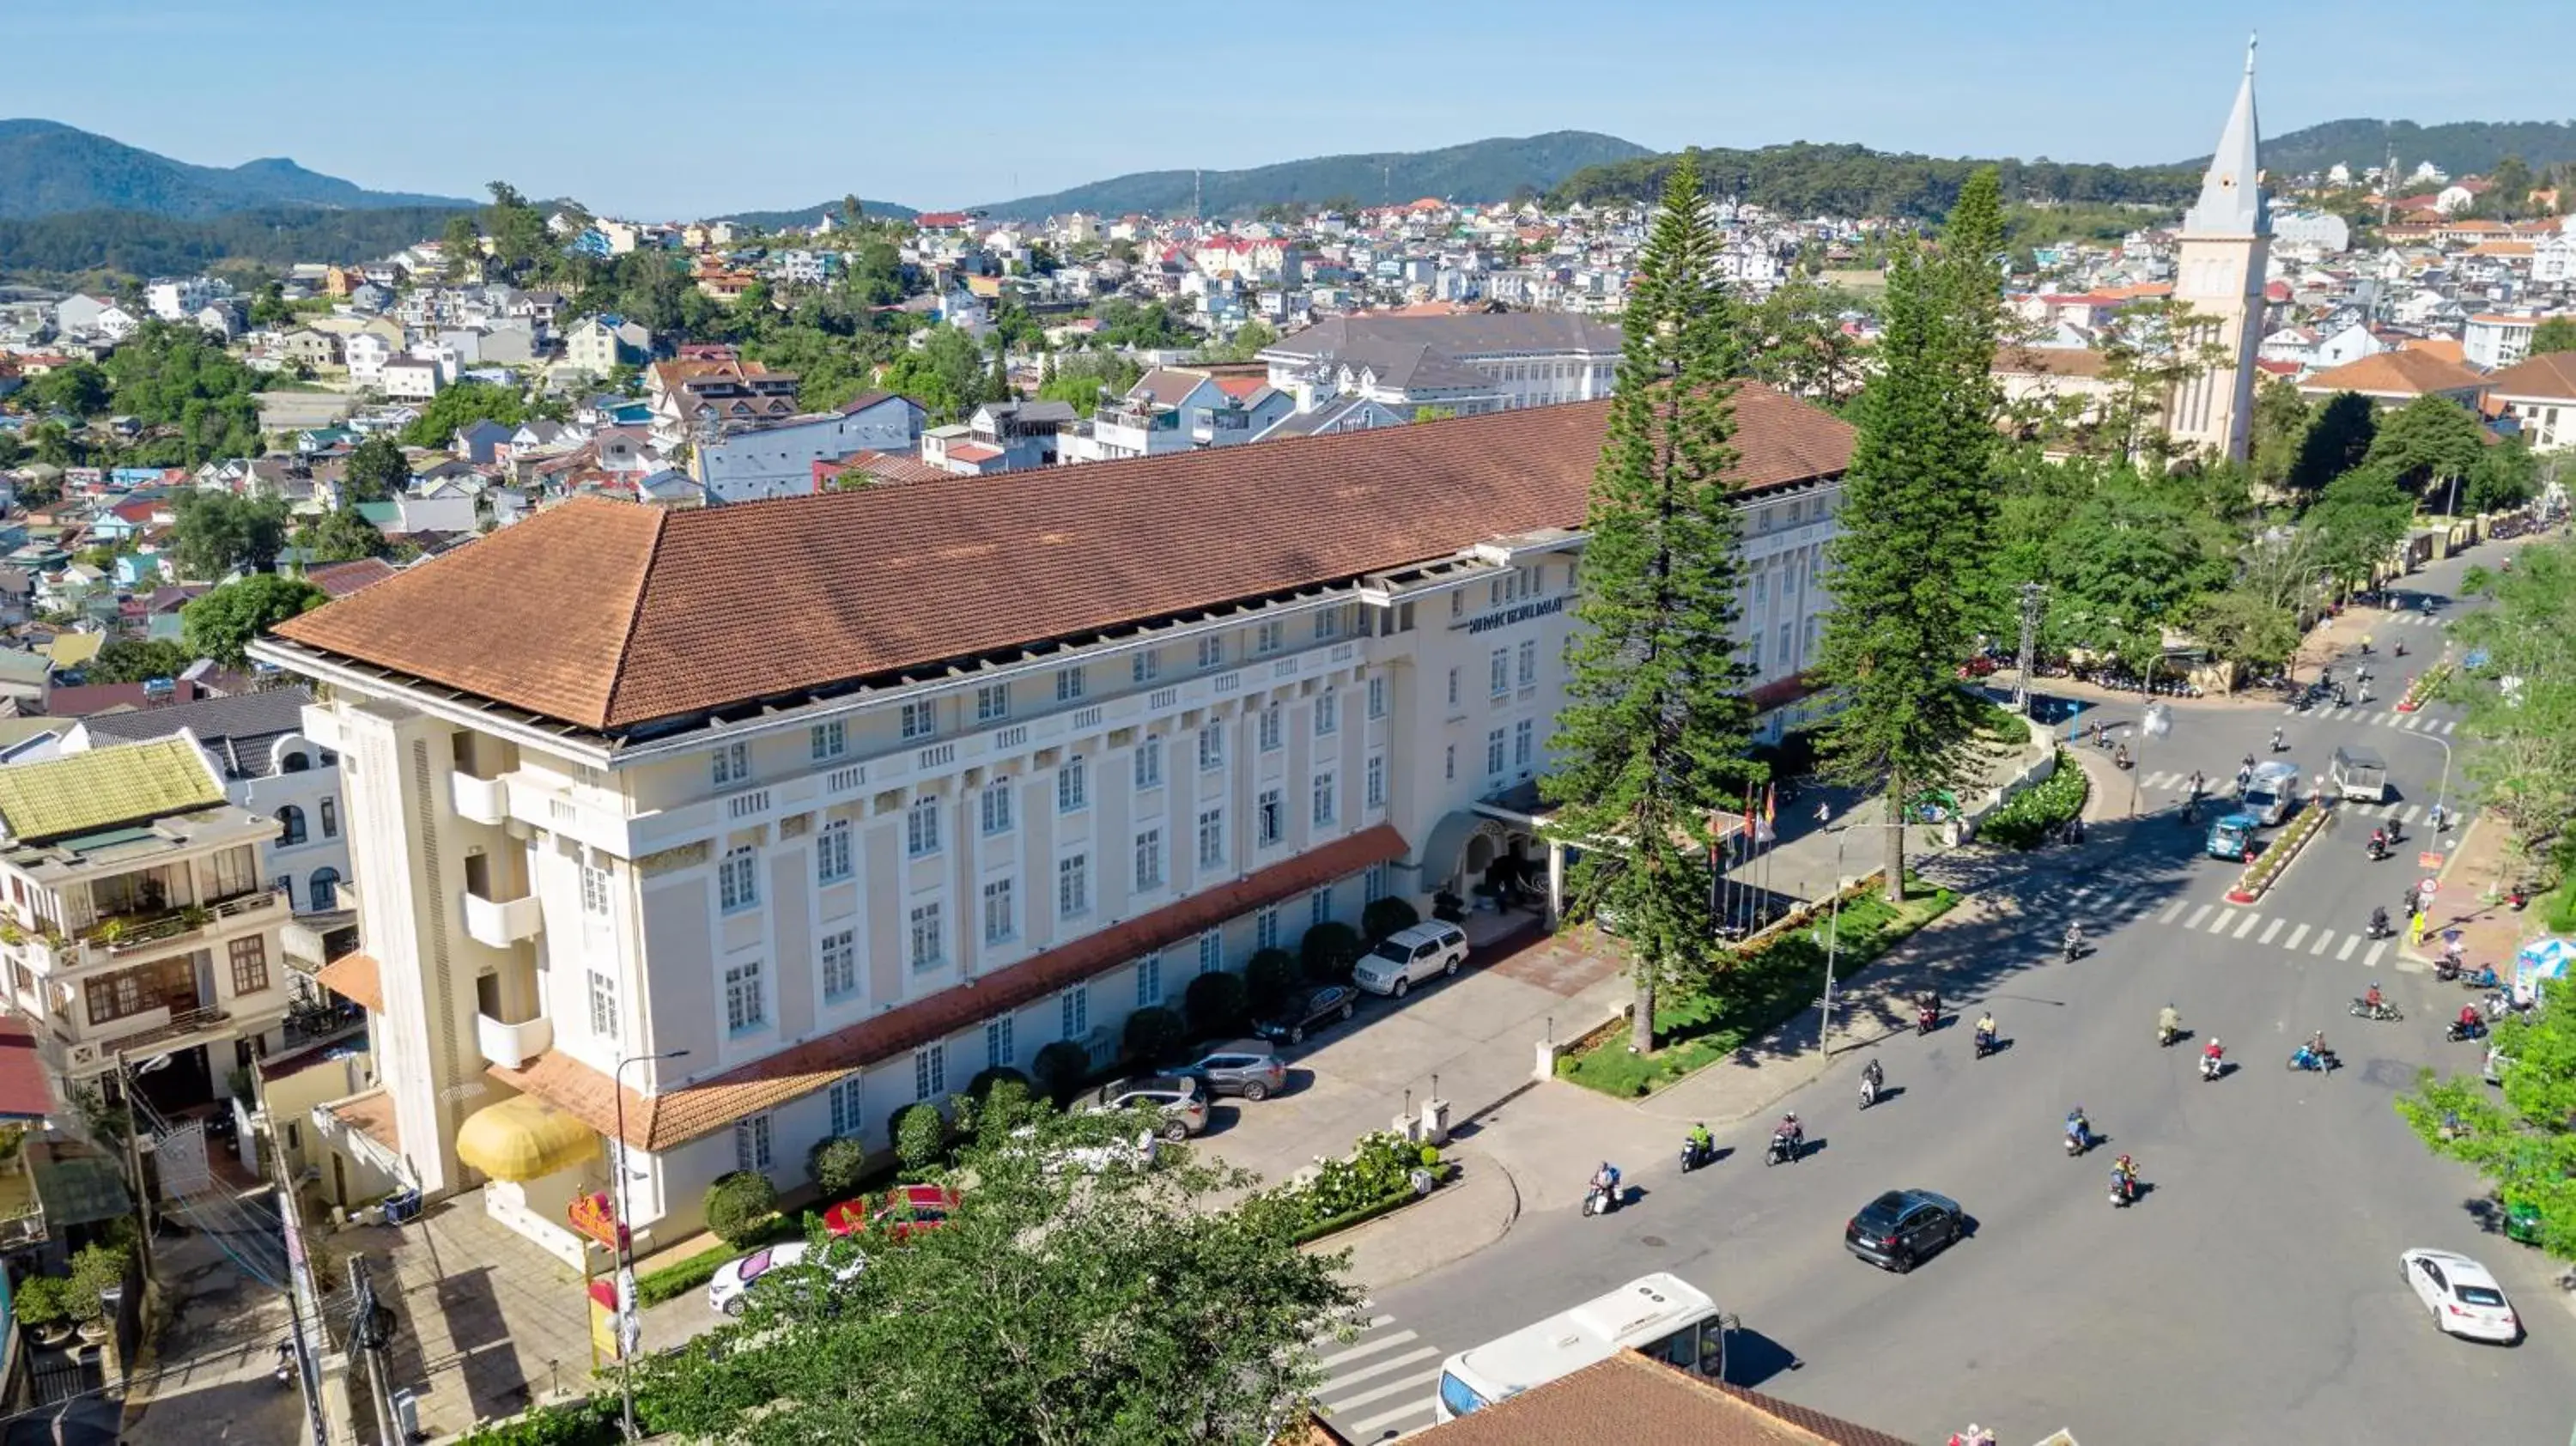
x: 854, y: 795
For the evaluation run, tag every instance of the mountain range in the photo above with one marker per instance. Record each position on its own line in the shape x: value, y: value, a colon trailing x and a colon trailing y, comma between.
x: 47, y: 168
x: 2462, y: 148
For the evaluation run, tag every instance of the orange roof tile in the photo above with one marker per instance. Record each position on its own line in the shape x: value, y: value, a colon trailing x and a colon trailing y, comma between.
x: 2446, y: 347
x: 2551, y: 375
x: 609, y: 616
x: 2408, y: 373
x: 354, y: 977
x: 1638, y: 1401
x: 673, y: 1117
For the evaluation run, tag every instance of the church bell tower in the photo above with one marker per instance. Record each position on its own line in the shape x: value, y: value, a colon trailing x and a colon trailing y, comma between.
x: 2219, y: 272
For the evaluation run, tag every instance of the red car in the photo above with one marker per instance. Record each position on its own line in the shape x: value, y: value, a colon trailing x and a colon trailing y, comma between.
x: 902, y: 1211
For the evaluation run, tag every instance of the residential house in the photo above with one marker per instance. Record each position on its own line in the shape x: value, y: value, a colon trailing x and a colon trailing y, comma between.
x: 1471, y: 363
x: 143, y: 923
x: 1098, y: 759
x: 2394, y: 378
x: 480, y: 442
x: 340, y: 579
x: 1178, y: 409
x: 1635, y: 1397
x: 747, y: 461
x: 366, y: 353
x: 2539, y: 394
x: 411, y: 379
x: 2491, y: 340
x: 598, y: 345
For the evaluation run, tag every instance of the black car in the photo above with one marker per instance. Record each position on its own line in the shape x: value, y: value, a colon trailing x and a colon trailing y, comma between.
x: 1901, y: 1227
x: 1306, y: 1009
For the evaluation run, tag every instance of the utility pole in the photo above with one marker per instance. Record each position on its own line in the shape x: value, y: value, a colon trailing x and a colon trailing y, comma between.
x: 372, y: 1333
x: 2032, y: 595
x: 134, y: 1163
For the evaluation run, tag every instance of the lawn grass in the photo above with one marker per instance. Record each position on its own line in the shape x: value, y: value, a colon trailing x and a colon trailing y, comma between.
x: 1699, y: 1026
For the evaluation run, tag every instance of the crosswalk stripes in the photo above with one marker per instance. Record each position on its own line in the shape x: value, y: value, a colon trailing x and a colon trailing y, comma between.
x: 2373, y: 716
x: 1381, y: 1382
x: 2264, y: 930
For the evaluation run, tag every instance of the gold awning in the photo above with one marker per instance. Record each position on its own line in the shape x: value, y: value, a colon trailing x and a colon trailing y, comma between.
x: 523, y: 1139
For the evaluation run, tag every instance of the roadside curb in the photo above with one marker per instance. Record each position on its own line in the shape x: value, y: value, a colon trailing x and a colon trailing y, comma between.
x: 2316, y: 821
x: 1425, y: 1236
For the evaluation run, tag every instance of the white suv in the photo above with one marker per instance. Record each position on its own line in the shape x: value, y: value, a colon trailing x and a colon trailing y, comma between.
x: 1409, y: 956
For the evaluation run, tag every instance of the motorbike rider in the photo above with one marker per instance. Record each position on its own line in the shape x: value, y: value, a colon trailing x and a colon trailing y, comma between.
x: 2125, y: 1170
x: 1876, y: 1076
x: 2120, y: 756
x: 1790, y: 1130
x: 2378, y: 843
x: 2211, y: 1055
x: 1699, y: 1141
x: 1606, y: 1179
x: 2280, y: 740
x: 2074, y: 941
x: 2078, y: 1128
x: 1986, y: 1028
x: 2398, y: 647
x: 2371, y: 1001
x: 2468, y: 1019
x: 2199, y: 783
x: 2378, y: 922
x: 2168, y: 1023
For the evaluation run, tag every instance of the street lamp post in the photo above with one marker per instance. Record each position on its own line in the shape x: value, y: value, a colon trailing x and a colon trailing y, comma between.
x: 1833, y: 934
x: 2154, y: 721
x: 626, y: 1302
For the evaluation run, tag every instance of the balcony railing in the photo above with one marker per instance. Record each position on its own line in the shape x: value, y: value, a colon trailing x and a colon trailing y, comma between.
x: 127, y: 934
x: 483, y: 800
x: 513, y: 1045
x: 501, y: 923
x: 181, y: 1024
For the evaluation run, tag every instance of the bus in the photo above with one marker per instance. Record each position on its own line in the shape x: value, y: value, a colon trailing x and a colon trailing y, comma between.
x: 1659, y: 1314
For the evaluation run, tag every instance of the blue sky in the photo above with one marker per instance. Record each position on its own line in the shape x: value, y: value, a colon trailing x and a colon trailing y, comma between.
x: 663, y: 108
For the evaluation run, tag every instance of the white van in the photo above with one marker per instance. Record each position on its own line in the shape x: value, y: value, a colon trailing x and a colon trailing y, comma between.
x: 2274, y: 789
x: 1409, y: 956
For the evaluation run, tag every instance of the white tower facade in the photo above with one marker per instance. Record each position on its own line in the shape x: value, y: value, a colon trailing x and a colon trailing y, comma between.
x: 2226, y: 241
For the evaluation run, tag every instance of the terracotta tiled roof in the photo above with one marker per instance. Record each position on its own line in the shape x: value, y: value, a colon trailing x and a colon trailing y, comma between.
x: 609, y: 616
x: 674, y: 1117
x: 340, y: 579
x: 2550, y: 374
x: 2050, y: 361
x: 354, y: 976
x: 2449, y: 348
x: 2409, y: 373
x: 24, y: 1093
x: 1638, y: 1402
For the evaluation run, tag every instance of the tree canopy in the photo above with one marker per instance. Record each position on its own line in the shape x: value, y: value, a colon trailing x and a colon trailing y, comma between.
x: 136, y: 660
x: 377, y: 469
x: 221, y: 624
x: 2519, y: 1138
x: 2426, y: 445
x: 217, y: 534
x: 462, y: 405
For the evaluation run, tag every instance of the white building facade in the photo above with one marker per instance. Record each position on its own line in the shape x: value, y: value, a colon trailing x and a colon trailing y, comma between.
x: 851, y: 896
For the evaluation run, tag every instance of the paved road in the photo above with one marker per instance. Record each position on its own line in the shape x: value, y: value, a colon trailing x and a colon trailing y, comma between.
x: 2253, y: 1295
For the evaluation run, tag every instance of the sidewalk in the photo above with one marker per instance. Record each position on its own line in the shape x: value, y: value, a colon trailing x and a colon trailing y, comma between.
x: 2471, y: 900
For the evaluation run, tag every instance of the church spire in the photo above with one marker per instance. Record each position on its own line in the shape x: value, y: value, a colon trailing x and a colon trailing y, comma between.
x: 2231, y: 201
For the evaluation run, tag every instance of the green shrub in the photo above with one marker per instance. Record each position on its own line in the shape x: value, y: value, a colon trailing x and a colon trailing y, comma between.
x: 1062, y: 1067
x: 1004, y: 1103
x: 739, y: 1205
x: 1267, y: 980
x: 1152, y: 1033
x: 1213, y: 1004
x: 1328, y: 951
x: 1387, y: 916
x: 2030, y: 816
x: 42, y: 1300
x: 986, y: 1079
x: 96, y: 1270
x: 835, y: 1165
x: 1378, y: 1171
x: 592, y: 1421
x: 920, y: 1137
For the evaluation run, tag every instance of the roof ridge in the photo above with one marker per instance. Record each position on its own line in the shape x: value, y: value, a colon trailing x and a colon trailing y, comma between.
x: 634, y: 618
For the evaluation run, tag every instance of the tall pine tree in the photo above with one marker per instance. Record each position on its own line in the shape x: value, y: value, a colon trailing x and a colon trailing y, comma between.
x: 1651, y: 742
x: 1918, y: 526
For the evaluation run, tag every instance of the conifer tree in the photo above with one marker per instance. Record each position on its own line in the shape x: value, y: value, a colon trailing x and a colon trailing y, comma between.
x: 1650, y: 746
x: 1919, y: 527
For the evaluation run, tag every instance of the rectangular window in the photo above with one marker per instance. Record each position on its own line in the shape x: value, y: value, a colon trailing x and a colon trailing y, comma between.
x: 1211, y: 748
x: 1319, y: 907
x: 1328, y: 624
x: 250, y: 964
x: 1265, y: 929
x: 1529, y: 664
x: 1457, y: 602
x: 829, y: 740
x: 1068, y: 684
x: 1211, y: 838
x: 1494, y: 751
x: 1149, y: 860
x: 1149, y: 764
x: 1325, y: 794
x: 1000, y: 1050
x: 848, y: 1100
x: 1753, y: 652
x: 1788, y: 645
x: 1377, y: 695
x: 1211, y: 951
x: 738, y: 880
x: 751, y: 1143
x: 1001, y: 917
x: 1073, y: 1011
x: 921, y: 828
x: 1522, y: 741
x: 992, y: 702
x: 994, y: 804
x: 832, y: 852
x: 1449, y: 763
x: 1072, y: 786
x: 730, y: 764
x: 1212, y: 650
x: 929, y: 944
x: 330, y: 809
x: 1145, y: 667
x: 1328, y: 714
x: 929, y: 1072
x: 603, y: 1006
x: 1271, y: 825
x: 1268, y: 637
x: 1373, y: 884
x: 746, y: 1002
x: 1376, y: 782
x: 1073, y: 886
x: 840, y: 964
x: 1149, y: 981
x: 920, y: 720
x: 1761, y: 589
x: 1268, y: 730
x: 594, y: 890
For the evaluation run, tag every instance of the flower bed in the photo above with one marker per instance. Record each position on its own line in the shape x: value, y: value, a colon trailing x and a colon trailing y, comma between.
x: 2268, y: 865
x: 1383, y: 1171
x: 2029, y: 817
x: 2426, y: 684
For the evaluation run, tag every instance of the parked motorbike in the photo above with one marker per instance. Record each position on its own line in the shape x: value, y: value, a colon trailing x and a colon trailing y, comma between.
x: 2484, y: 978
x: 2382, y: 1011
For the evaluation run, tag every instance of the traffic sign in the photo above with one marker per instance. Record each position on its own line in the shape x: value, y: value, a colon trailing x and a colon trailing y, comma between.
x: 2427, y: 887
x: 2429, y: 859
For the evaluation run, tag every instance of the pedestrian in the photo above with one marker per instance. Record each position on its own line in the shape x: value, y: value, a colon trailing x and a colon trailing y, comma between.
x: 2415, y: 930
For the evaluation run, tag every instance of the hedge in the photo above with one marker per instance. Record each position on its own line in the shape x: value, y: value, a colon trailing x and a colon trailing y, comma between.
x: 1387, y: 916
x: 1214, y: 1004
x: 652, y: 1287
x: 2030, y: 816
x: 739, y: 1205
x: 1387, y: 1205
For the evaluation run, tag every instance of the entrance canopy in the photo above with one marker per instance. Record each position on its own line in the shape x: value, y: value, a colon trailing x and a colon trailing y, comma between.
x: 523, y: 1138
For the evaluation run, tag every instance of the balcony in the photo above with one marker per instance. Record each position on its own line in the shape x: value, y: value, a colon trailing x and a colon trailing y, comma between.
x: 513, y: 1045
x: 482, y: 800
x: 174, y: 1028
x: 502, y: 923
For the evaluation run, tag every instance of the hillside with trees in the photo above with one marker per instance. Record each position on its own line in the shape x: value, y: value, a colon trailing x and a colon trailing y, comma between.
x: 139, y: 244
x: 2462, y: 148
x: 1487, y: 170
x: 47, y: 168
x: 1808, y: 179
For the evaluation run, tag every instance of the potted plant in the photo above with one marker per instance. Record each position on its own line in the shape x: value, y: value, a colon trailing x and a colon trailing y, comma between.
x: 110, y: 932
x: 194, y: 916
x: 43, y: 1305
x: 96, y: 1270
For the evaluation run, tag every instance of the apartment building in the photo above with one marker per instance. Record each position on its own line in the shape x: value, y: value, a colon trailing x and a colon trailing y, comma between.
x: 1007, y: 759
x: 138, y: 921
x: 1469, y: 364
